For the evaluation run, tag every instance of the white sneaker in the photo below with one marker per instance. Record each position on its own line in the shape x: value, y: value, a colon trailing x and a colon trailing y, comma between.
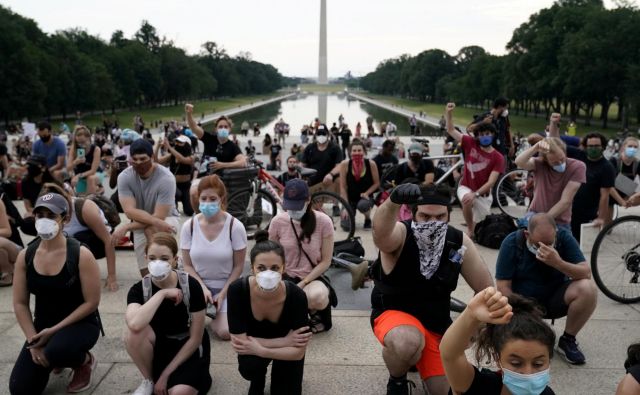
x: 145, y: 388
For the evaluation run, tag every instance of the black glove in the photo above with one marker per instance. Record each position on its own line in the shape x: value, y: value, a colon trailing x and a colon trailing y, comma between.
x: 405, y: 194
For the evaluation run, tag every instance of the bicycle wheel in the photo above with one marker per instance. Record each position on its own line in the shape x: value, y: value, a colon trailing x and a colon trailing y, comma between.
x: 514, y: 193
x: 254, y: 210
x: 336, y: 208
x: 456, y: 305
x: 615, y: 260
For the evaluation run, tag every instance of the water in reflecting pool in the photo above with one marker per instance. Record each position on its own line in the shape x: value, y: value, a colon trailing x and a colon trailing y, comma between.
x: 305, y: 108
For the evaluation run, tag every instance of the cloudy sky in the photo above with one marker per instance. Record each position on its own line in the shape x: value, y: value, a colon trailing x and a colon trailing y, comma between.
x: 285, y: 33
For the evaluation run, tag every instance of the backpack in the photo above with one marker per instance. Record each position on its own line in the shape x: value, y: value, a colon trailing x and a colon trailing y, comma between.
x: 72, y: 262
x: 491, y: 231
x: 183, y: 279
x: 107, y: 207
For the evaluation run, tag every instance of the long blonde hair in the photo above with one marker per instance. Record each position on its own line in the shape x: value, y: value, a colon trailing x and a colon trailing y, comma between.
x: 77, y: 131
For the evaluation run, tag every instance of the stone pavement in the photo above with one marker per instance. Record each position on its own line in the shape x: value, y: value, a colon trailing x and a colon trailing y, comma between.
x: 347, y: 359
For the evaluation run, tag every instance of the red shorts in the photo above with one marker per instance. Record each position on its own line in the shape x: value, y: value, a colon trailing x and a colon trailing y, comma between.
x: 430, y: 364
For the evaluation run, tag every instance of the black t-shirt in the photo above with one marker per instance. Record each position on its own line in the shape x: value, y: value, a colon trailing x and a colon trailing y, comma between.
x: 634, y: 371
x: 284, y: 177
x: 502, y: 127
x: 384, y: 164
x: 241, y: 320
x: 404, y: 172
x: 226, y: 152
x: 345, y: 135
x: 275, y: 150
x: 181, y: 169
x: 626, y: 170
x: 170, y: 319
x: 322, y: 161
x: 600, y: 174
x: 488, y: 382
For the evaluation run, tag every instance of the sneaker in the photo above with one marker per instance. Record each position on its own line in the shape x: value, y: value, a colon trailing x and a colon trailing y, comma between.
x: 569, y: 349
x: 367, y: 224
x: 81, y: 379
x: 400, y: 387
x: 336, y: 211
x: 145, y: 388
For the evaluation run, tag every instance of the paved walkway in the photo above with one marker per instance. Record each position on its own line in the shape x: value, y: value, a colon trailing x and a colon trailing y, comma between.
x: 347, y: 359
x: 431, y: 121
x: 232, y: 111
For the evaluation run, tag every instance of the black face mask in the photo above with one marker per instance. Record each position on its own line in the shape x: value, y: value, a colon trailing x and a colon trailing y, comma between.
x: 34, y: 170
x: 45, y: 139
x: 415, y: 159
x: 184, y: 150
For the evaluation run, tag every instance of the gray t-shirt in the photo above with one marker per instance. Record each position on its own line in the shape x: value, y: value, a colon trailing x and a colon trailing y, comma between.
x: 160, y: 188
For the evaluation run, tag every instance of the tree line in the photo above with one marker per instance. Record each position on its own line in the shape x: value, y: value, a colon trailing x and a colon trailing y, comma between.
x: 569, y: 58
x: 43, y: 75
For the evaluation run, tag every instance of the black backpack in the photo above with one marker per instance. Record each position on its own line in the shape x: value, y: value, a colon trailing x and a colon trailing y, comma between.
x: 493, y: 229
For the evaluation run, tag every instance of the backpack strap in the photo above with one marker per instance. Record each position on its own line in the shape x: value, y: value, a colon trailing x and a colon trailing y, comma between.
x: 231, y: 228
x: 520, y: 241
x: 30, y: 253
x: 183, y: 280
x: 77, y: 207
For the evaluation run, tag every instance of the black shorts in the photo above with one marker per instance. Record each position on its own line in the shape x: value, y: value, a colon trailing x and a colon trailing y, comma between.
x: 193, y: 372
x: 554, y: 306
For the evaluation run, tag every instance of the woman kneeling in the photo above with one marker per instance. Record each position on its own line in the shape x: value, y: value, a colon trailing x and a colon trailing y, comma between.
x: 268, y: 321
x: 165, y: 320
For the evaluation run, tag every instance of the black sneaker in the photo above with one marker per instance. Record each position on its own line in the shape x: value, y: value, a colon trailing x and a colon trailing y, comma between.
x: 335, y: 211
x: 569, y: 349
x: 399, y: 387
x: 367, y: 224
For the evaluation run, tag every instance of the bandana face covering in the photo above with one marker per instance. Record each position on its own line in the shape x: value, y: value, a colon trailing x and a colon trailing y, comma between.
x: 430, y: 237
x: 357, y: 164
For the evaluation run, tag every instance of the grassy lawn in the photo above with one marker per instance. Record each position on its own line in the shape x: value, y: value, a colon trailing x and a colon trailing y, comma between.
x: 331, y: 88
x: 463, y: 116
x: 168, y: 113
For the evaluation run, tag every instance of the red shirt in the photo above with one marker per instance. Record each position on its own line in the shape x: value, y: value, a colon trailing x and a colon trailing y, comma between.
x: 478, y: 164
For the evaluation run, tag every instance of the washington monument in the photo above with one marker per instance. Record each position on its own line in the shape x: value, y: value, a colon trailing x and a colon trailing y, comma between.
x: 322, y: 66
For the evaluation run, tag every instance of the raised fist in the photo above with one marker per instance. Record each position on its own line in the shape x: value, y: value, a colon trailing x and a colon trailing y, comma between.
x: 405, y: 194
x: 188, y: 108
x: 450, y: 107
x: 555, y: 117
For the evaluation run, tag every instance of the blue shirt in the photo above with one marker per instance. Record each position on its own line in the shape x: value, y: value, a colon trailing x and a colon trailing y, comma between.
x: 51, y: 152
x: 530, y: 277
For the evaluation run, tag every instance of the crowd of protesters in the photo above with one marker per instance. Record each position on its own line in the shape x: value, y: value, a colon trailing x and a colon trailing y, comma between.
x: 192, y: 269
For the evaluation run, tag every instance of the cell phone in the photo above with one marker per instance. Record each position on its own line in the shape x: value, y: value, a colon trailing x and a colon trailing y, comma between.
x: 80, y: 152
x: 211, y: 311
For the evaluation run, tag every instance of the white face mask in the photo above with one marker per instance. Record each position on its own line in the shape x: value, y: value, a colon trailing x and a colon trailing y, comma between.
x: 505, y: 113
x: 297, y: 215
x: 268, y: 280
x: 159, y: 269
x: 321, y: 139
x: 47, y: 228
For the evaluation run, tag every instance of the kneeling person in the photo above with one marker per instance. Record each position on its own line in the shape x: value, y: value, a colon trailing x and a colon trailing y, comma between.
x: 165, y: 325
x: 545, y: 263
x: 417, y: 269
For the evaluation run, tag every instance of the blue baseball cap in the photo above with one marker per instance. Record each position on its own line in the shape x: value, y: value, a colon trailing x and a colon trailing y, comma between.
x: 296, y: 193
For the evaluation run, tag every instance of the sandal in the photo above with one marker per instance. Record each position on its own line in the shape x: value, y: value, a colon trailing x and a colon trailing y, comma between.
x: 6, y: 279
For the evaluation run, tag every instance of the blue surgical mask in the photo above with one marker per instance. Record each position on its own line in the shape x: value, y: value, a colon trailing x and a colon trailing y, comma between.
x: 209, y: 209
x: 485, y: 141
x: 223, y: 133
x: 630, y: 152
x: 560, y: 168
x: 525, y: 384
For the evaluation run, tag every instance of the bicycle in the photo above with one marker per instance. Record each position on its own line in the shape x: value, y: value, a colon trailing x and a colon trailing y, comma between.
x: 514, y: 193
x: 256, y: 204
x: 615, y: 259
